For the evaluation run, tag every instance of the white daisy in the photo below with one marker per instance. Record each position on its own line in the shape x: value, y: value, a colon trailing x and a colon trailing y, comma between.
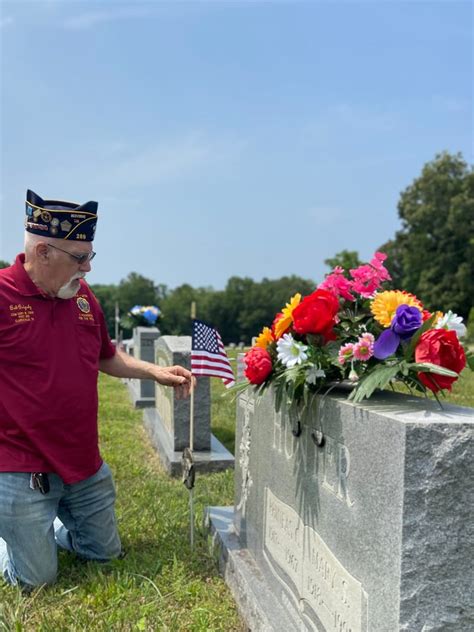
x: 291, y: 352
x: 314, y: 373
x: 452, y: 321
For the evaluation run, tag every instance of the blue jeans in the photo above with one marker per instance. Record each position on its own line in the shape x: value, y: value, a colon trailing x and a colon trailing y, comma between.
x: 28, y: 541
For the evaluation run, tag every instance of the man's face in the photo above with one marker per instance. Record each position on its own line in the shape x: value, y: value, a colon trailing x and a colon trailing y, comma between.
x: 65, y: 270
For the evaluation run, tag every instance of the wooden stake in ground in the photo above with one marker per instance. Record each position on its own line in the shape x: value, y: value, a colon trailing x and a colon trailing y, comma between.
x: 187, y: 461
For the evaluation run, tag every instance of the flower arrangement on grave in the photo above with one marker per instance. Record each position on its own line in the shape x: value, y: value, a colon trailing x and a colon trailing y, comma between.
x: 144, y: 315
x: 352, y: 331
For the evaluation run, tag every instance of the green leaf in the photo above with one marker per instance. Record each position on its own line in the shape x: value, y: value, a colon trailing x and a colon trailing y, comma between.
x: 378, y: 378
x: 470, y: 359
x: 428, y: 367
x: 410, y: 349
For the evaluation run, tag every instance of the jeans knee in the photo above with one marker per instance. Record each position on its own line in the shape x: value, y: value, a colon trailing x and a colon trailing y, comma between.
x: 30, y: 578
x: 45, y: 578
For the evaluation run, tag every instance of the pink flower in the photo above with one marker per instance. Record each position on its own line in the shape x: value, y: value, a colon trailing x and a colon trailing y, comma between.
x: 363, y: 350
x: 368, y: 277
x: 337, y: 283
x: 345, y: 353
x: 377, y: 263
x: 366, y: 280
x: 367, y: 338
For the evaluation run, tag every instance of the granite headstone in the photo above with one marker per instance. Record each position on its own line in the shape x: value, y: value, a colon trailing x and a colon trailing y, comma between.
x: 142, y: 392
x: 168, y: 423
x: 371, y: 532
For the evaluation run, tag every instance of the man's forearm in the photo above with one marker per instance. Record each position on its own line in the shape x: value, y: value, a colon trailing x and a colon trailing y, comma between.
x: 124, y: 365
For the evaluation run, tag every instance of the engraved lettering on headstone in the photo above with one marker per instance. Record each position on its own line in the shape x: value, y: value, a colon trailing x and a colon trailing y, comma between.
x: 331, y: 465
x: 336, y: 468
x: 298, y: 553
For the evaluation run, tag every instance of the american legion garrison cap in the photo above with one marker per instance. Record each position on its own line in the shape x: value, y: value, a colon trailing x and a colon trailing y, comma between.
x: 59, y: 219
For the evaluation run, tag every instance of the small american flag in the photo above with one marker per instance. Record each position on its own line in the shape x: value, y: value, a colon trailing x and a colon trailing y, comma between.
x: 208, y: 356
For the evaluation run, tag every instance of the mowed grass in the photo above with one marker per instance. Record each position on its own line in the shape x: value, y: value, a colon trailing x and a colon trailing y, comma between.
x: 160, y: 584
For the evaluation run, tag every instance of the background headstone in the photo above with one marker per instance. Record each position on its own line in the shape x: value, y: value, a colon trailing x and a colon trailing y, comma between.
x: 142, y: 392
x: 240, y: 376
x: 168, y: 423
x: 370, y: 533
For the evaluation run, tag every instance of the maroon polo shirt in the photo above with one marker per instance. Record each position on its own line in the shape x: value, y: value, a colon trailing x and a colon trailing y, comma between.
x: 49, y: 360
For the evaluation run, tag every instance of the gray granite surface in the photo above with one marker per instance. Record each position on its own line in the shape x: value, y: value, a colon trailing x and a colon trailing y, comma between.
x: 142, y: 392
x: 372, y: 532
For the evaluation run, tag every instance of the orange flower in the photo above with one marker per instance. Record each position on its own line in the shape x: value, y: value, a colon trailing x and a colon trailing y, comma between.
x: 282, y: 325
x: 264, y: 338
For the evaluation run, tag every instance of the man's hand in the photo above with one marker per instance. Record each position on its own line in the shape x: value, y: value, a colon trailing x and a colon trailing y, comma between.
x: 177, y: 376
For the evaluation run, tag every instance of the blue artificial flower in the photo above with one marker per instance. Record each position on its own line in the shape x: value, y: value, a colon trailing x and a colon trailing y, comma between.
x: 151, y: 313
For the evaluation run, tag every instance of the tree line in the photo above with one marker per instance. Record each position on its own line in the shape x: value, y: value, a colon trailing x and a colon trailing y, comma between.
x: 432, y: 256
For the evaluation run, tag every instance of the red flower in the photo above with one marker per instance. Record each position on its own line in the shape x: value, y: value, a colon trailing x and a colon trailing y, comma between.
x: 258, y: 365
x: 316, y: 314
x: 441, y: 347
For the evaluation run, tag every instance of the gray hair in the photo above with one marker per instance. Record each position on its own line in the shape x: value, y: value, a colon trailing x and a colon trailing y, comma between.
x: 32, y: 240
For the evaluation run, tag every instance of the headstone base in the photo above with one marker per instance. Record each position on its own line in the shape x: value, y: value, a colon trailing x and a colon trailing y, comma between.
x: 217, y: 459
x: 258, y: 606
x: 137, y: 399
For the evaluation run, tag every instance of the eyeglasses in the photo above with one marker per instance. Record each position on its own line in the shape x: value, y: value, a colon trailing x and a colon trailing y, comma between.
x: 81, y: 259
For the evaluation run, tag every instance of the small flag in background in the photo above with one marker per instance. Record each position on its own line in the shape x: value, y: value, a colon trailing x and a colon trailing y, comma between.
x: 208, y: 356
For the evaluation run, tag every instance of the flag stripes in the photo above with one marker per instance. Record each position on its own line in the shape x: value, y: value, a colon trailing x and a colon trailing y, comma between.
x: 208, y: 356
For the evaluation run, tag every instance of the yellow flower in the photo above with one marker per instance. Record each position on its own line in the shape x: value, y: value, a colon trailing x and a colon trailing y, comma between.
x: 287, y: 318
x: 385, y: 304
x: 264, y: 338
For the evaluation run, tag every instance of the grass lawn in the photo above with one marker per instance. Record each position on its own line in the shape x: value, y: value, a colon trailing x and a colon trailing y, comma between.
x: 159, y: 585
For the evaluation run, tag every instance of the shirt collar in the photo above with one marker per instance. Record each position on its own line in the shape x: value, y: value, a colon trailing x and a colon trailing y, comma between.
x: 23, y: 281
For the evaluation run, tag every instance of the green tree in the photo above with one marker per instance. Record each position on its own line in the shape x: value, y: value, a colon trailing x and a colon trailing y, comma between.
x: 176, y: 308
x: 107, y: 296
x: 347, y: 259
x: 4, y: 264
x: 138, y: 290
x: 433, y: 253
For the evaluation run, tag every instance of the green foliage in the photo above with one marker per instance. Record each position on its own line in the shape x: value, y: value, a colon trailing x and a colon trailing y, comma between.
x: 246, y: 306
x: 470, y: 326
x: 346, y: 259
x: 432, y: 255
x: 176, y: 309
x: 134, y: 290
x: 107, y: 296
x: 239, y: 312
x: 4, y: 264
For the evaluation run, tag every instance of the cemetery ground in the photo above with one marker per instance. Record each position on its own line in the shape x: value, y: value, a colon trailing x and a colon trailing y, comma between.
x: 160, y: 584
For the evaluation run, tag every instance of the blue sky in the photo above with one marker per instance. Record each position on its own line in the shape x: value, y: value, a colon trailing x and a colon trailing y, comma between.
x: 229, y: 138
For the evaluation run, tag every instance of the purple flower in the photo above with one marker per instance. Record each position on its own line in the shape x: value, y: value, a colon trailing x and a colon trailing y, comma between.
x: 406, y: 321
x: 386, y: 344
x: 404, y: 324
